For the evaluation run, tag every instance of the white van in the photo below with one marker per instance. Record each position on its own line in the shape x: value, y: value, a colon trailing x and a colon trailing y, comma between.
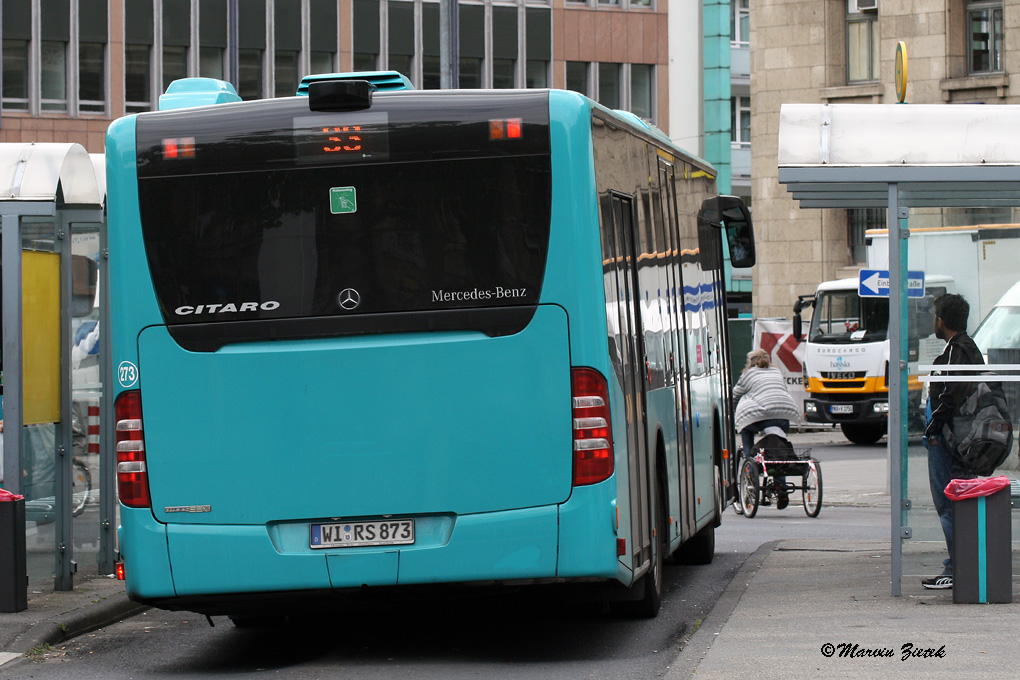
x: 1001, y: 328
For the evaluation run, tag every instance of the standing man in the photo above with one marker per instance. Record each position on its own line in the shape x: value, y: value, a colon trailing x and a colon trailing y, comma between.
x: 944, y: 398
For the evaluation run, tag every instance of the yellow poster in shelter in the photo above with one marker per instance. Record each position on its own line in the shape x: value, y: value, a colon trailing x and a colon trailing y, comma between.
x: 40, y: 329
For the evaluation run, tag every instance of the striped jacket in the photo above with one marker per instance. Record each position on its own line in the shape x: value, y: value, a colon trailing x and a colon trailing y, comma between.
x: 763, y: 396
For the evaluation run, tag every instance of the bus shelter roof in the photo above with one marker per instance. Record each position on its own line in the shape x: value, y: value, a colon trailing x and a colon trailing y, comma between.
x: 848, y: 155
x: 44, y: 172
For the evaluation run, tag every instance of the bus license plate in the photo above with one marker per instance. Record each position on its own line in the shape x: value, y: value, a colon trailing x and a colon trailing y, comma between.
x: 841, y: 408
x: 358, y: 534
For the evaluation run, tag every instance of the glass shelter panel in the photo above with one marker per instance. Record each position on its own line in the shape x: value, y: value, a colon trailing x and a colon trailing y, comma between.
x: 40, y: 322
x: 86, y: 393
x: 975, y: 263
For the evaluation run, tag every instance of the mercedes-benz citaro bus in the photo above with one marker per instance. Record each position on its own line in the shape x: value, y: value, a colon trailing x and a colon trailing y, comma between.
x: 369, y: 336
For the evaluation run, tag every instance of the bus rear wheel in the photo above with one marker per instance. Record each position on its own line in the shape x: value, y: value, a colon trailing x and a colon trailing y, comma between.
x: 864, y: 434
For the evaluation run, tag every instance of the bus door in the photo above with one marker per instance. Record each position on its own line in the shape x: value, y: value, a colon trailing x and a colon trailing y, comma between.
x: 678, y: 354
x: 632, y: 373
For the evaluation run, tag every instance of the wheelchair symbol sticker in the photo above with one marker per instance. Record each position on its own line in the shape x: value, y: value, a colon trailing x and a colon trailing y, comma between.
x: 127, y: 374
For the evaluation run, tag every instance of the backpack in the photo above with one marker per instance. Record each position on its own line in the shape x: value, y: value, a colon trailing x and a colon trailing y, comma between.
x: 982, y: 436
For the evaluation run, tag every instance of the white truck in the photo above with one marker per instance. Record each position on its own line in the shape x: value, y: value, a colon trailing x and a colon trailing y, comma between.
x: 846, y: 362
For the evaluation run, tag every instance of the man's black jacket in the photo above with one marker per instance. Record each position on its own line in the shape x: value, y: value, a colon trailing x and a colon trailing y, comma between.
x: 946, y: 396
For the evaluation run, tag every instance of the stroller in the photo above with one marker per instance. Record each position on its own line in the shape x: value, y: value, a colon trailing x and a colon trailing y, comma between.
x: 773, y: 458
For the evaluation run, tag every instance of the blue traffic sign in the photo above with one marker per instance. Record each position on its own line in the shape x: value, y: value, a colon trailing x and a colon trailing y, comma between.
x: 875, y: 283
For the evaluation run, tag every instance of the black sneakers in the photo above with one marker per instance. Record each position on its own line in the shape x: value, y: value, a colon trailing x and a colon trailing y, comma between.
x: 782, y: 502
x: 942, y: 582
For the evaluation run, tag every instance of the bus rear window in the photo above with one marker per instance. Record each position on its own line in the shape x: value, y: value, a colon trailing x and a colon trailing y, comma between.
x: 383, y: 240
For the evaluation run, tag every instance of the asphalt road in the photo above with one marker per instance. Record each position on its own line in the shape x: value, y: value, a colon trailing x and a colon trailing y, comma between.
x: 520, y: 633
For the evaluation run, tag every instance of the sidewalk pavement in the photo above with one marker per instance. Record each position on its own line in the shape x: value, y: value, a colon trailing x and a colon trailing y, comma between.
x: 795, y: 608
x: 815, y: 609
x: 54, y: 616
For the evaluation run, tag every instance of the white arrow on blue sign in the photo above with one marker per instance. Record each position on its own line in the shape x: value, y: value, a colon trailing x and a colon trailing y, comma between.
x: 875, y: 283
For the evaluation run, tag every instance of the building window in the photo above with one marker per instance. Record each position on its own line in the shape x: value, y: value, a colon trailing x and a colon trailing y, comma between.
x: 472, y: 45
x: 323, y: 36
x: 91, y: 77
x: 17, y: 36
x: 401, y: 38
x: 538, y: 27
x: 365, y: 15
x: 287, y: 37
x: 859, y: 220
x: 137, y: 97
x: 740, y: 115
x: 984, y: 35
x: 740, y: 23
x: 251, y: 49
x: 504, y: 47
x: 609, y: 85
x: 212, y: 43
x: 15, y: 75
x: 53, y: 76
x: 577, y: 76
x: 92, y: 39
x: 641, y: 90
x: 862, y: 46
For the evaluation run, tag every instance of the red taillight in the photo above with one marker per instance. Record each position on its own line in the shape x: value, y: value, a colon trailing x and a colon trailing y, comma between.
x: 132, y: 477
x: 593, y: 435
x: 119, y: 566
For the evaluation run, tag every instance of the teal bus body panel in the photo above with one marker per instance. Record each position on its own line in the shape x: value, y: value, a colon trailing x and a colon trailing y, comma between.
x: 364, y: 426
x: 143, y: 550
x: 574, y: 269
x: 131, y: 289
x: 588, y: 533
x: 208, y: 560
x: 515, y: 544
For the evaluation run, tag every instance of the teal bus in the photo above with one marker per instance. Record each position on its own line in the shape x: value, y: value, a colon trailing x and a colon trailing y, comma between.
x: 370, y: 336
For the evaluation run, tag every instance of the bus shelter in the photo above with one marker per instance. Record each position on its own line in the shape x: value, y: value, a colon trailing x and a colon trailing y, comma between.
x: 904, y: 158
x: 54, y: 289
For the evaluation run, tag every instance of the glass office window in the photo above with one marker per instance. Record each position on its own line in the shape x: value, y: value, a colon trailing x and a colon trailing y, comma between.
x: 577, y: 76
x: 17, y: 32
x: 212, y: 32
x: 862, y: 47
x: 609, y: 85
x: 401, y: 36
x: 538, y: 27
x: 740, y: 22
x: 365, y: 15
x: 641, y: 90
x: 472, y: 45
x: 55, y: 34
x: 91, y: 77
x: 504, y: 47
x: 431, y: 64
x: 740, y: 129
x: 323, y: 34
x: 984, y: 52
x: 287, y: 34
x: 15, y: 75
x: 138, y: 33
x: 92, y: 39
x: 251, y: 48
x: 176, y: 40
x: 53, y: 76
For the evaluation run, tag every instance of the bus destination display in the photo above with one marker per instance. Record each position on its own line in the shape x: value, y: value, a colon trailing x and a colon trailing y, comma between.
x: 337, y: 137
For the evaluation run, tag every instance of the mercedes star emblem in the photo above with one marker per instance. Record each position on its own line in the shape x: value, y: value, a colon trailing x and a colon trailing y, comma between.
x: 349, y: 298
